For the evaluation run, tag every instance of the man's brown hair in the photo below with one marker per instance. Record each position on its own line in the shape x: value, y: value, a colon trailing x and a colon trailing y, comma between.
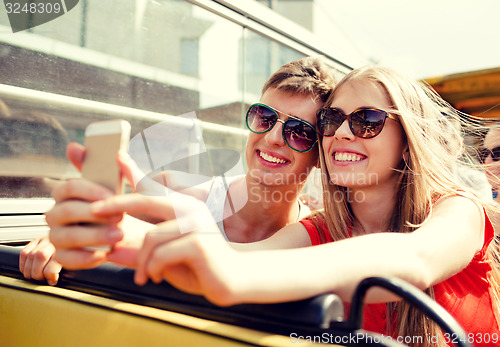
x: 309, y: 75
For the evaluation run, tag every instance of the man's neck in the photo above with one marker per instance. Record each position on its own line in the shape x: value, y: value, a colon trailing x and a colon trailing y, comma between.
x: 266, y: 210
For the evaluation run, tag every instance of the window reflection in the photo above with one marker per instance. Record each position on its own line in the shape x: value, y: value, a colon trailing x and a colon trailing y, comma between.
x: 32, y: 153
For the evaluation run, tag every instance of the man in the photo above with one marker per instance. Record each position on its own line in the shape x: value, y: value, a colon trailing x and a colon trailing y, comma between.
x: 491, y: 157
x: 281, y: 151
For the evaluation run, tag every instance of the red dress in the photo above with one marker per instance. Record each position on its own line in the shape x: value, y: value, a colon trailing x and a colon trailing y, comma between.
x: 465, y: 295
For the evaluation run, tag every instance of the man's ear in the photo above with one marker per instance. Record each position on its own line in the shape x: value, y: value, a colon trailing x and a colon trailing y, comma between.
x: 406, y: 154
x: 317, y: 163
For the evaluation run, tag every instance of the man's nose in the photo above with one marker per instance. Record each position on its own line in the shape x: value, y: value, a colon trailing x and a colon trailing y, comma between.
x: 274, y: 137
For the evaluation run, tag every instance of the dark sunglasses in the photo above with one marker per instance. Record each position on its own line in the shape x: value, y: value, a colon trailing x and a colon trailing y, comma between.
x: 364, y: 122
x: 485, y: 152
x: 297, y: 133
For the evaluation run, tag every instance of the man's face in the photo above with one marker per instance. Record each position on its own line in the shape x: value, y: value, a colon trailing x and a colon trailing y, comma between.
x: 270, y: 160
x: 492, y: 168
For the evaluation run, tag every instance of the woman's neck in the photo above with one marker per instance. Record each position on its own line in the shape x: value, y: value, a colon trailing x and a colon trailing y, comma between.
x: 373, y: 209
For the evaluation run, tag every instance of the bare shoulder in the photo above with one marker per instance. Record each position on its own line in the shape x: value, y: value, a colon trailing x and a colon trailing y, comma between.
x: 291, y: 236
x: 456, y: 220
x: 459, y: 207
x: 195, y: 185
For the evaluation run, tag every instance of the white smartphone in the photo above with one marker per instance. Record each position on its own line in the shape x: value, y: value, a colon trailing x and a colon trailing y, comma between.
x: 103, y: 140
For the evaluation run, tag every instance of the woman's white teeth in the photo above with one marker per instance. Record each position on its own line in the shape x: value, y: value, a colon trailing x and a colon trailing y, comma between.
x: 272, y: 159
x: 347, y: 156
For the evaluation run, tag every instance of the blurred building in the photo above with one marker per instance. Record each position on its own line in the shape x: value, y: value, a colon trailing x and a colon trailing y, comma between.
x: 476, y: 93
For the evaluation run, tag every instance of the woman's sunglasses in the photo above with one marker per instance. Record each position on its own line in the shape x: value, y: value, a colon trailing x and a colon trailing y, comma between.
x: 365, y: 123
x: 485, y: 152
x: 297, y: 133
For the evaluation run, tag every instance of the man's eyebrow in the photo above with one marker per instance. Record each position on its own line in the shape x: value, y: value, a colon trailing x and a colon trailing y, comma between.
x: 356, y: 109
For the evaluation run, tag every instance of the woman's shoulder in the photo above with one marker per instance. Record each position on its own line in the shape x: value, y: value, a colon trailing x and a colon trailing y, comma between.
x: 460, y: 208
x: 317, y: 228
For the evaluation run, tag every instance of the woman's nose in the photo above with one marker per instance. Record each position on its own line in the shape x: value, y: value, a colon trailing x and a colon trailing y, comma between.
x: 344, y: 131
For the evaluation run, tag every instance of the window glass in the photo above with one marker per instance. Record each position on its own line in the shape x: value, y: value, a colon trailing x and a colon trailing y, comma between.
x: 263, y: 57
x: 299, y: 11
x: 138, y: 60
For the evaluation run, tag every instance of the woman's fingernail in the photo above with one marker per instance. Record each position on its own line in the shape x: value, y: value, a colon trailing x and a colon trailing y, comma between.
x: 114, y: 234
x: 114, y: 219
x: 97, y: 207
x: 106, y: 194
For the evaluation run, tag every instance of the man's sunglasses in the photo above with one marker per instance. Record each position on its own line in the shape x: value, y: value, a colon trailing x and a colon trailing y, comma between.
x: 485, y: 152
x: 297, y: 133
x: 364, y: 122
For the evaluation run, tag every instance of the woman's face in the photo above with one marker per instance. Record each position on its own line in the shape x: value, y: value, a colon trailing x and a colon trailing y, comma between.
x: 356, y: 162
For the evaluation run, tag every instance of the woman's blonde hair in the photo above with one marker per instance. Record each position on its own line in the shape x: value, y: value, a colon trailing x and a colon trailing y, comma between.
x: 436, y: 151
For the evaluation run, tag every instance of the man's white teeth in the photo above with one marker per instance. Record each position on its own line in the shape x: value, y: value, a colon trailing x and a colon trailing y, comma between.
x: 347, y: 156
x: 272, y: 159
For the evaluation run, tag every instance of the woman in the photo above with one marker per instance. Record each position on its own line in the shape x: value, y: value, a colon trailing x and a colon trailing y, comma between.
x: 392, y: 208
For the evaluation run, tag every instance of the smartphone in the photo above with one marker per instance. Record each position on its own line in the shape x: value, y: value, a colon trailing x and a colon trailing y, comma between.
x: 103, y: 140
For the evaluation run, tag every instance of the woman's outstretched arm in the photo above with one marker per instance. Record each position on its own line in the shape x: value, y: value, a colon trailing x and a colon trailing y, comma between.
x: 203, y: 263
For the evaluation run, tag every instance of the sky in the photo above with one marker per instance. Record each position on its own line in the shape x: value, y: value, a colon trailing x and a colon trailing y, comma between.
x: 421, y: 38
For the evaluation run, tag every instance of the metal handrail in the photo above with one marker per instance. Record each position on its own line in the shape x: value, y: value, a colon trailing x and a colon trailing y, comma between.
x: 70, y: 103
